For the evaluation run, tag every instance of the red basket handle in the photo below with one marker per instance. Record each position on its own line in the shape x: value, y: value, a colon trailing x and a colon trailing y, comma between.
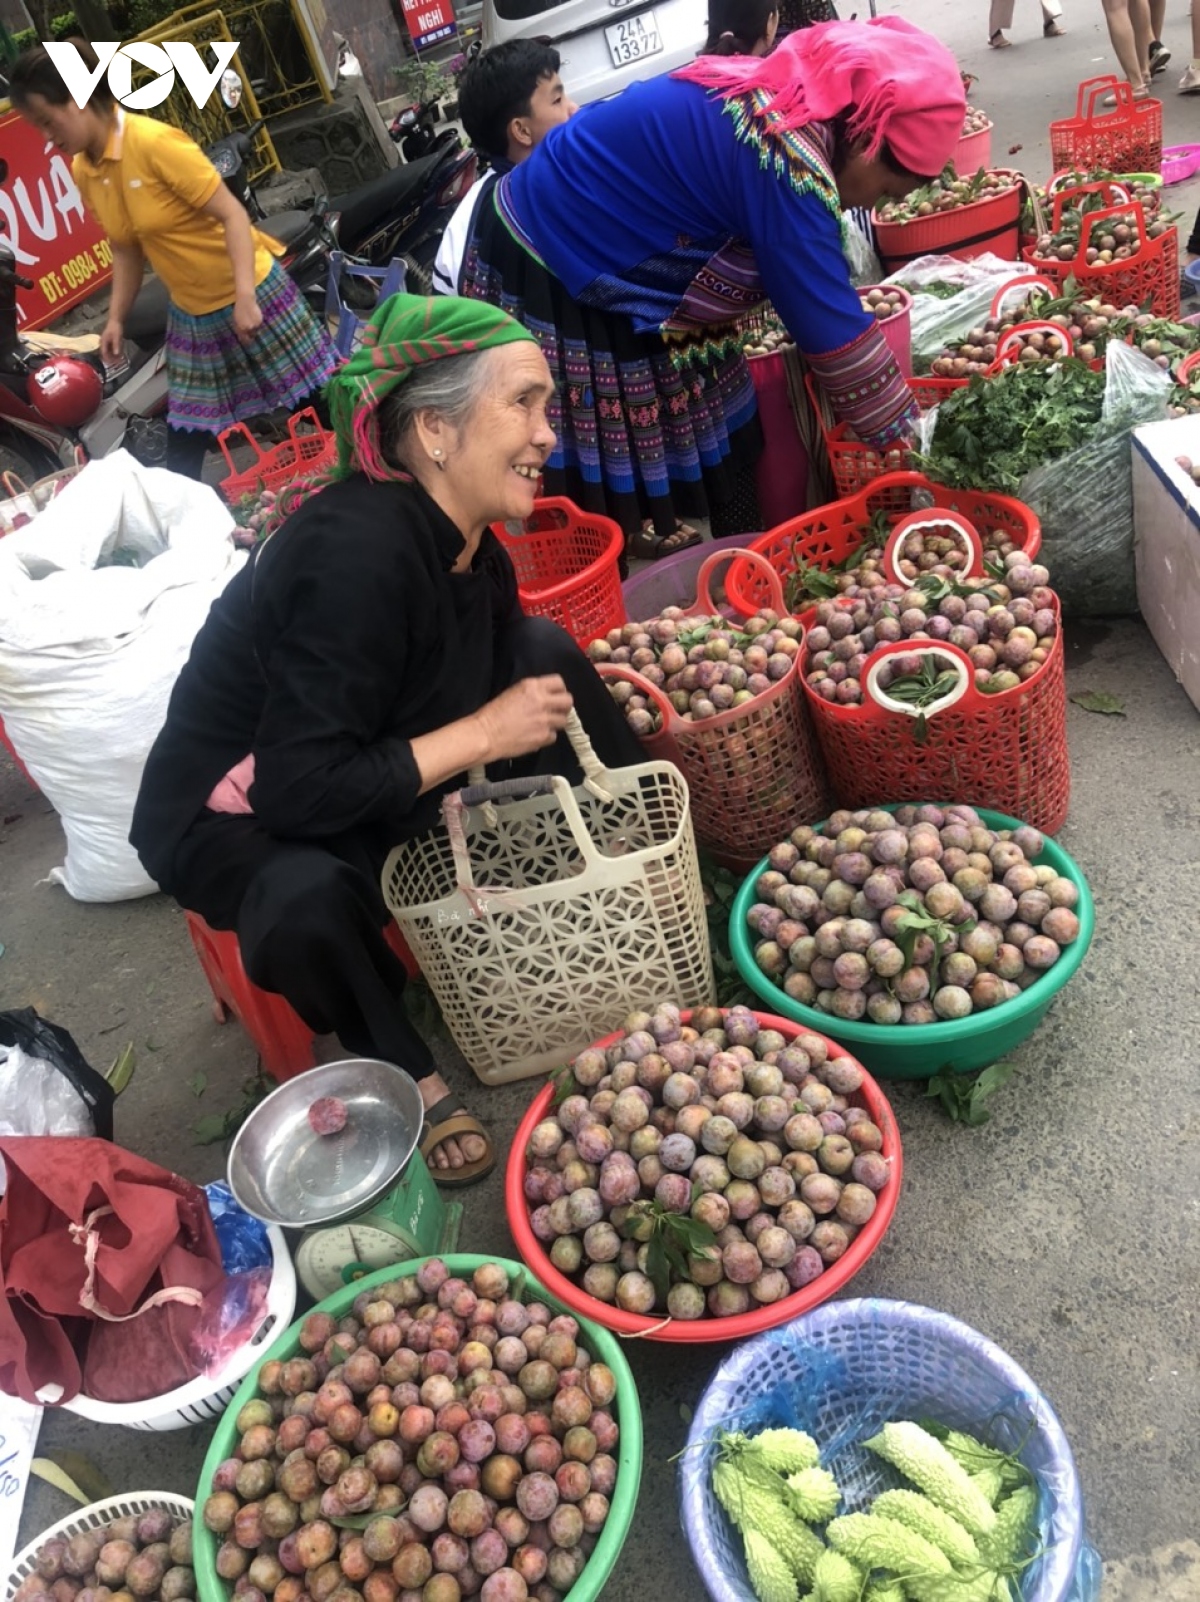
x: 1102, y: 187
x: 1034, y: 280
x: 1187, y: 367
x: 704, y: 600
x: 661, y: 744
x: 964, y: 686
x: 1004, y: 350
x: 247, y: 437
x: 1090, y: 90
x: 1132, y: 210
x: 306, y: 416
x: 1056, y: 186
x: 934, y: 517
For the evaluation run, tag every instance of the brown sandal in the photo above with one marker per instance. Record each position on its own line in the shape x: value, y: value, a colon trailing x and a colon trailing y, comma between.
x: 447, y: 1120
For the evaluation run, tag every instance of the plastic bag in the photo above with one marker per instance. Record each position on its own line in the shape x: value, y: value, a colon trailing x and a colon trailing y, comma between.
x: 229, y: 1317
x: 36, y: 1098
x: 100, y: 599
x: 938, y: 321
x: 858, y: 246
x: 1085, y: 499
x: 843, y: 1371
x: 243, y: 1238
x: 49, y: 1046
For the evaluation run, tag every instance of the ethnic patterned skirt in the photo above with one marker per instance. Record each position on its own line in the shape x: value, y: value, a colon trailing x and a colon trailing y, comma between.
x: 643, y: 430
x: 215, y: 381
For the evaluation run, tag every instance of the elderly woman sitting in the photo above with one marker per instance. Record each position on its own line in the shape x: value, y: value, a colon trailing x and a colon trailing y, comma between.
x: 369, y: 654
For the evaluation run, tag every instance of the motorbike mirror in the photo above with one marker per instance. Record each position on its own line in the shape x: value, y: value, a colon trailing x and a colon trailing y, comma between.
x: 231, y: 89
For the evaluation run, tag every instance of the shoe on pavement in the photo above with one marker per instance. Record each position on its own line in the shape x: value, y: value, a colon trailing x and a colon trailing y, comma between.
x: 1189, y: 84
x: 1159, y: 57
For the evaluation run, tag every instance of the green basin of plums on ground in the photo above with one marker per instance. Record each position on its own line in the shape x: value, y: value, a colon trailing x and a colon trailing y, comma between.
x: 604, y: 1348
x: 918, y: 1051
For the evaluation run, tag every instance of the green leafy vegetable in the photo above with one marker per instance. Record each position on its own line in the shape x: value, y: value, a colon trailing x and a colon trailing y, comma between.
x: 965, y: 1098
x: 990, y: 434
x: 1098, y: 701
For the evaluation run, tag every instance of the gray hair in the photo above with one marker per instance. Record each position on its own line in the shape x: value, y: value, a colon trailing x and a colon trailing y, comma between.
x: 451, y: 387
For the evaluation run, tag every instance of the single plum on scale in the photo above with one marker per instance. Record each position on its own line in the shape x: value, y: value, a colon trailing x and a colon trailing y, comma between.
x: 435, y: 1411
x: 704, y: 1208
x: 327, y: 1116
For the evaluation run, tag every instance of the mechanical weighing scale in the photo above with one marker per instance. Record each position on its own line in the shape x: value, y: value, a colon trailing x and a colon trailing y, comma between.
x: 363, y: 1197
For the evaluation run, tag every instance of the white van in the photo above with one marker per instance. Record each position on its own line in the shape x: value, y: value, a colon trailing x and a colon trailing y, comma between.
x: 604, y: 44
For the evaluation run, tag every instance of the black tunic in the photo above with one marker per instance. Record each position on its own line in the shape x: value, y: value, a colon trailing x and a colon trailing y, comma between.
x: 343, y: 638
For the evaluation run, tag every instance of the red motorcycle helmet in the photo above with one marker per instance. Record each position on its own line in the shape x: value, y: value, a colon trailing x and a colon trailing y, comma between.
x: 65, y: 390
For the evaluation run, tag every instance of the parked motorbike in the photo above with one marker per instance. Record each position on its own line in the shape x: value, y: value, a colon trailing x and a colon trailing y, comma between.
x: 404, y: 213
x: 415, y: 130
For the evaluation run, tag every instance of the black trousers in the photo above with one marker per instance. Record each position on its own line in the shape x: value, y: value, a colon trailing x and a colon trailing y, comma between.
x: 309, y: 914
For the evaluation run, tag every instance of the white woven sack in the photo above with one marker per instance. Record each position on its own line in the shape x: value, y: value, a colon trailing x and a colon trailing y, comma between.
x: 89, y: 653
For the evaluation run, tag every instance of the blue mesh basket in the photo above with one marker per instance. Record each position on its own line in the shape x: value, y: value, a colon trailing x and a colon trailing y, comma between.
x: 841, y: 1372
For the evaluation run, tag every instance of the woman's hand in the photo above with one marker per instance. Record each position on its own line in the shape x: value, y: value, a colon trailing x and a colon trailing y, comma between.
x: 112, y: 343
x: 526, y: 717
x: 247, y: 318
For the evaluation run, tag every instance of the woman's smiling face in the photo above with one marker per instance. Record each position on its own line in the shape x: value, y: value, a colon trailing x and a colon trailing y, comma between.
x: 493, y: 461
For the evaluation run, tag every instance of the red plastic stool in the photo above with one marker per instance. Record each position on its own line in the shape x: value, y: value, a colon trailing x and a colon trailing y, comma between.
x: 284, y: 1041
x: 21, y: 768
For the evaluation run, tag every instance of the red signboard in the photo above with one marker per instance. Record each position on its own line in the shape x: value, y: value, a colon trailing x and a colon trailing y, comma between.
x: 429, y: 21
x: 57, y: 243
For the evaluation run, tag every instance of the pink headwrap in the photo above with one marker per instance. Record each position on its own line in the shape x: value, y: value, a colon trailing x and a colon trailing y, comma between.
x: 898, y: 84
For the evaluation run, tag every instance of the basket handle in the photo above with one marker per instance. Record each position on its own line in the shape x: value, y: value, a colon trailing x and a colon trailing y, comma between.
x: 1133, y: 211
x: 1090, y: 90
x: 240, y: 431
x: 595, y: 779
x: 960, y: 663
x: 1034, y: 281
x: 704, y: 600
x: 14, y: 484
x: 483, y: 791
x: 1035, y: 204
x: 670, y: 718
x: 1107, y: 191
x: 308, y: 416
x: 1004, y: 350
x: 935, y: 517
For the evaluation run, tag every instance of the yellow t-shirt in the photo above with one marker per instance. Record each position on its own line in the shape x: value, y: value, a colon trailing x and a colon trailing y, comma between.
x: 147, y: 189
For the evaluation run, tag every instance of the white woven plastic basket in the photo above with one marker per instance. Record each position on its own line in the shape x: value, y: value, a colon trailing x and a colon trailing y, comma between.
x: 206, y: 1396
x: 540, y: 922
x: 91, y: 1518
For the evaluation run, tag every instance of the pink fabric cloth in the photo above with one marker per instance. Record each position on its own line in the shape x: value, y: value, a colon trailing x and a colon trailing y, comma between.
x: 233, y: 792
x: 898, y: 83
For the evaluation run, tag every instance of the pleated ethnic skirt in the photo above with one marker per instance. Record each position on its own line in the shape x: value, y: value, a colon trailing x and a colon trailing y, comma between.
x: 215, y: 381
x: 640, y: 434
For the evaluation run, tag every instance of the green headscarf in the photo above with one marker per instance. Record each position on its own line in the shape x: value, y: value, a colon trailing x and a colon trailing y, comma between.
x: 402, y: 333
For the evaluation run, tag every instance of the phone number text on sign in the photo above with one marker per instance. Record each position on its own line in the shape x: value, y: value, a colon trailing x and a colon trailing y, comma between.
x: 44, y: 222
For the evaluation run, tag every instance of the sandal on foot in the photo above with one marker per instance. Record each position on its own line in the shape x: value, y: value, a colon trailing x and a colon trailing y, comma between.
x: 1053, y: 29
x: 999, y: 42
x: 645, y: 544
x: 447, y: 1120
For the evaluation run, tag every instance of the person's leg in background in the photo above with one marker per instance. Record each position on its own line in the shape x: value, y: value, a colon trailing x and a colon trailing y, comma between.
x: 1129, y: 30
x: 186, y: 450
x: 1189, y: 84
x: 1052, y: 27
x: 1159, y: 54
x: 999, y: 18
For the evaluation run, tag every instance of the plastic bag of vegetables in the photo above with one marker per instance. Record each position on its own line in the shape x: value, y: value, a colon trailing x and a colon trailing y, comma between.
x: 950, y: 297
x: 1085, y: 499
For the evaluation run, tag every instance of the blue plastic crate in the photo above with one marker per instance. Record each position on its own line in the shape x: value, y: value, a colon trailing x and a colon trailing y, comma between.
x: 389, y: 280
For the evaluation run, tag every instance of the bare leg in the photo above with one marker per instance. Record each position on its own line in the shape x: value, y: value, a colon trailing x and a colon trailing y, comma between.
x: 1139, y: 13
x: 1158, y: 16
x: 1125, y: 38
x: 1189, y: 84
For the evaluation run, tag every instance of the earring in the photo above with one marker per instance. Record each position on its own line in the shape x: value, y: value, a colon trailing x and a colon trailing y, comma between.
x: 437, y: 456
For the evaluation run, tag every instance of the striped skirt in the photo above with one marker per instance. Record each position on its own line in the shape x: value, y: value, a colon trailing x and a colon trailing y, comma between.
x: 215, y: 381
x: 640, y: 434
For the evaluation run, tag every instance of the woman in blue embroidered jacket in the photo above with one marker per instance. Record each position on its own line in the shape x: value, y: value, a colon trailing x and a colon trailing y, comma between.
x: 640, y: 231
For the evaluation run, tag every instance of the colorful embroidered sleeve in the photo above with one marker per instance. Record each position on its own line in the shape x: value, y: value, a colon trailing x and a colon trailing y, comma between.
x: 797, y: 242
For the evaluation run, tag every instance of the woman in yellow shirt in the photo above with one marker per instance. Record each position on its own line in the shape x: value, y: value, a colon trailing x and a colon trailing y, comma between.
x: 241, y: 340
